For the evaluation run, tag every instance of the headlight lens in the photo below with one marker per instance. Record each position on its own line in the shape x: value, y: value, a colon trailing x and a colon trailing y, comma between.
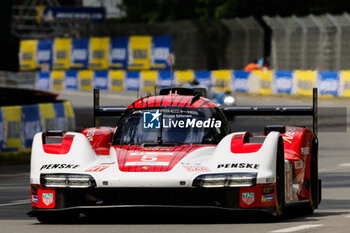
x: 67, y: 181
x: 229, y: 100
x: 225, y: 180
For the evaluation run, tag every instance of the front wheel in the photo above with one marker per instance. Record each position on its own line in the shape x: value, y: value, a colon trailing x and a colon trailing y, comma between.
x: 280, y: 180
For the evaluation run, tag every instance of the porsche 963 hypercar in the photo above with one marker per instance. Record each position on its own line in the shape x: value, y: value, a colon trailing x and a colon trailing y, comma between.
x: 175, y: 150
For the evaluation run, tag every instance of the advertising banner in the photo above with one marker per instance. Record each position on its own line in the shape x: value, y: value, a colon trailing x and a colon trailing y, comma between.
x: 265, y: 81
x: 164, y: 79
x: 43, y: 81
x: 345, y: 77
x: 204, y: 78
x: 222, y: 80
x: 241, y: 81
x: 139, y: 52
x: 305, y: 81
x: 61, y: 53
x: 184, y: 77
x: 30, y: 120
x: 118, y: 53
x: 69, y: 115
x: 71, y: 81
x: 283, y: 82
x: 60, y: 116
x: 2, y: 131
x: 132, y: 80
x: 160, y: 50
x: 12, y: 123
x: 328, y: 83
x: 98, y: 52
x: 100, y: 80
x: 47, y: 116
x: 57, y: 78
x: 27, y: 54
x: 80, y: 54
x: 149, y: 79
x: 116, y: 78
x: 85, y: 80
x: 44, y: 55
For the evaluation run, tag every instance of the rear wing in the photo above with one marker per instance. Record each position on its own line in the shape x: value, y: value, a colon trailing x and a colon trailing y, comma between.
x: 278, y: 111
x: 104, y: 111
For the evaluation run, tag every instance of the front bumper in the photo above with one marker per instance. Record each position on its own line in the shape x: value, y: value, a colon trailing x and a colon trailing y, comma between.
x: 104, y: 199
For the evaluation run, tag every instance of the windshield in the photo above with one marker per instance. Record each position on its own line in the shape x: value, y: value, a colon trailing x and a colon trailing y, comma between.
x: 175, y: 125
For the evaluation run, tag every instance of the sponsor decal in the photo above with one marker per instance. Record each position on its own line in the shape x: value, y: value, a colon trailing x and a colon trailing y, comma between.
x: 151, y: 120
x: 239, y: 165
x: 151, y: 153
x: 248, y: 198
x: 196, y: 169
x: 304, y: 150
x: 298, y: 164
x: 144, y: 163
x: 58, y: 166
x: 289, y: 136
x: 99, y: 168
x: 267, y: 198
x: 90, y: 135
x: 193, y: 123
x: 35, y: 199
x: 47, y: 198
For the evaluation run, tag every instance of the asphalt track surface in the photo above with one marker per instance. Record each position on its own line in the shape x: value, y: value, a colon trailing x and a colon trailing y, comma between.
x: 333, y: 214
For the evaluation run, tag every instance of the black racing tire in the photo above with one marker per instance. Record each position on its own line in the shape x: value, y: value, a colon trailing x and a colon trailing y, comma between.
x: 280, y: 180
x: 312, y: 205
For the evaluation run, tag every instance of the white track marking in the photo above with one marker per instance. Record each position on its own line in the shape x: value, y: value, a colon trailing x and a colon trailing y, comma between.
x: 344, y: 165
x: 298, y: 228
x: 18, y: 202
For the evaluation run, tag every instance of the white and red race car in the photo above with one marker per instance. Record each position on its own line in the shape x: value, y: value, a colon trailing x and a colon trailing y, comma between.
x: 175, y: 150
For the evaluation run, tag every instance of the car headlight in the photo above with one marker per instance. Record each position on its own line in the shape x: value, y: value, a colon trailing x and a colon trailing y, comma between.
x: 229, y: 100
x: 67, y: 181
x: 225, y: 180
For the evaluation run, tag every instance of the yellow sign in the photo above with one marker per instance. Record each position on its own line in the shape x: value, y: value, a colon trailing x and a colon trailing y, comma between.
x: 182, y: 77
x: 149, y: 79
x: 12, y: 123
x: 345, y: 82
x: 139, y: 52
x: 98, y: 52
x: 222, y: 79
x: 57, y: 78
x: 61, y: 53
x: 265, y: 81
x: 27, y: 54
x: 69, y: 115
x: 85, y: 79
x: 47, y: 116
x: 117, y: 79
x: 305, y: 81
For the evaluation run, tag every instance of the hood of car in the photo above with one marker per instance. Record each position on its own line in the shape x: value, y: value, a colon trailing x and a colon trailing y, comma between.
x: 132, y: 158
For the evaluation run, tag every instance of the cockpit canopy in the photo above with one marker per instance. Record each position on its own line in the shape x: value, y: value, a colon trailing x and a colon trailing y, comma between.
x: 171, y: 125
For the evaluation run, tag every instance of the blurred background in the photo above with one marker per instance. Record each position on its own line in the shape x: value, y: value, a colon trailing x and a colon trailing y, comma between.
x: 263, y: 47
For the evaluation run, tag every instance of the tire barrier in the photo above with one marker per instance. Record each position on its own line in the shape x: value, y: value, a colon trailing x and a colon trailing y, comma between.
x: 19, y: 124
x: 298, y: 82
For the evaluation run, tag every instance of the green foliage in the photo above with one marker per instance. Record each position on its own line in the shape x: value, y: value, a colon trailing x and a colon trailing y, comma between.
x: 150, y: 11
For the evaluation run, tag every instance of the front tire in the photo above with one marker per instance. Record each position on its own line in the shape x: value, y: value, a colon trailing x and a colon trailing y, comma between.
x: 280, y: 180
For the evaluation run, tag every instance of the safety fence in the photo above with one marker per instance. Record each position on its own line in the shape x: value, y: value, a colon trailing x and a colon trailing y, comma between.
x: 19, y: 124
x: 132, y: 53
x: 298, y: 82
